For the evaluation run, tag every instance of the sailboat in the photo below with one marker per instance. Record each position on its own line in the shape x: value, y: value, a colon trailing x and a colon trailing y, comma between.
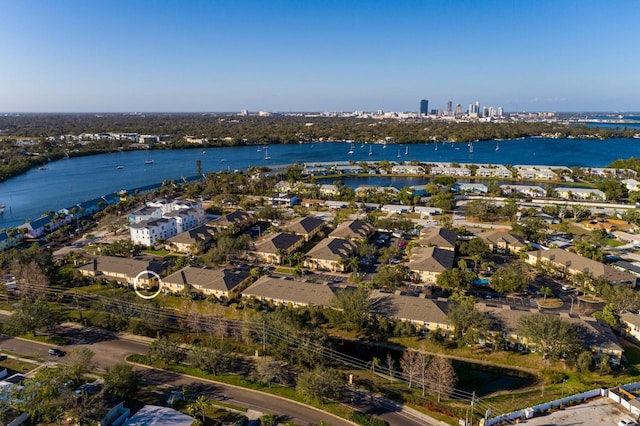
x: 497, y: 146
x: 470, y: 148
x: 436, y: 145
x: 370, y: 150
x: 406, y: 151
x: 399, y: 153
x: 148, y: 160
x: 351, y: 149
x: 266, y: 153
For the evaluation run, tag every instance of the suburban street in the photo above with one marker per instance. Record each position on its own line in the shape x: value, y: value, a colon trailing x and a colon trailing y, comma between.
x: 110, y: 348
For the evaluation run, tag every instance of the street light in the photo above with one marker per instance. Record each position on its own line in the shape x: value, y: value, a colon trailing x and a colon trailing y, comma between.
x: 562, y: 395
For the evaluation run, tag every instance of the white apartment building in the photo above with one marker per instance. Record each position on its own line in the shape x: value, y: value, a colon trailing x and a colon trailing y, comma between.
x: 163, y: 219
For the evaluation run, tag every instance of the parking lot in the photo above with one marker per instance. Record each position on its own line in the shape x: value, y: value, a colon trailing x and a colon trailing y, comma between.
x: 601, y: 411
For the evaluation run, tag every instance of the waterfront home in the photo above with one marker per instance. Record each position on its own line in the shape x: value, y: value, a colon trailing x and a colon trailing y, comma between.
x: 307, y: 226
x: 502, y: 241
x: 271, y: 248
x: 348, y: 169
x: 426, y: 263
x: 46, y: 224
x: 336, y: 205
x: 405, y: 169
x: 450, y: 171
x: 442, y: 238
x: 475, y: 188
x: 193, y: 241
x: 566, y: 264
x: 10, y: 239
x: 497, y: 172
x: 123, y: 270
x: 329, y: 255
x: 423, y: 313
x: 376, y: 189
x: 221, y: 283
x: 536, y: 172
x: 353, y: 230
x: 328, y: 189
x: 283, y: 291
x: 631, y: 185
x: 570, y: 193
x: 526, y: 190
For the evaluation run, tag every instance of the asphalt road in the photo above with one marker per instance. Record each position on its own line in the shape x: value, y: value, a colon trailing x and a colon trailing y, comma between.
x: 110, y: 348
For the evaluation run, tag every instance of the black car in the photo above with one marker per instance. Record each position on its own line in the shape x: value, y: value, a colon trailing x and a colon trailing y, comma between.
x: 56, y: 352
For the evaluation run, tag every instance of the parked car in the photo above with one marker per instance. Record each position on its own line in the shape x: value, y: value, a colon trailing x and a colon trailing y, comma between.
x: 627, y: 422
x: 56, y: 352
x: 87, y: 389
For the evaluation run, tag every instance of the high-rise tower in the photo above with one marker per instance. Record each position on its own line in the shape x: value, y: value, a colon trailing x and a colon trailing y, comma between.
x: 424, y: 107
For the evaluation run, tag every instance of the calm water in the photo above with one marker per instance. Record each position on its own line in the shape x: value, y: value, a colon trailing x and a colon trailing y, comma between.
x: 67, y: 182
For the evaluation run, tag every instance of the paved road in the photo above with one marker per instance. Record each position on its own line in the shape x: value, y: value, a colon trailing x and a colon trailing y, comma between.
x: 110, y: 348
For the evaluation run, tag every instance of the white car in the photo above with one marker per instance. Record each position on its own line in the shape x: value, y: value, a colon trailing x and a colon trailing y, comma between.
x: 627, y: 422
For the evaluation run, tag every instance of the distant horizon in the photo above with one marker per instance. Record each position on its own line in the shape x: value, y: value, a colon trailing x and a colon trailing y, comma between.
x: 319, y: 55
x: 253, y: 112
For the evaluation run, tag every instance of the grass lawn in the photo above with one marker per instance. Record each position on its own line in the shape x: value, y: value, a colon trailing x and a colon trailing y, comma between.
x: 550, y: 302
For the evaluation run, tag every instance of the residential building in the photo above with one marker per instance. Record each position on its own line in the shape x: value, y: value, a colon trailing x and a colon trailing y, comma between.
x: 567, y: 263
x: 630, y: 325
x: 123, y: 270
x: 284, y: 199
x: 427, y: 211
x: 477, y: 188
x: 353, y: 230
x: 526, y: 190
x: 426, y: 263
x: 503, y: 242
x: 450, y: 171
x: 282, y: 291
x: 152, y: 231
x: 307, y: 226
x: 221, y: 283
x: 631, y: 184
x: 498, y: 172
x: 422, y: 312
x: 193, y: 241
x: 163, y: 219
x: 328, y: 255
x: 442, y: 238
x: 570, y: 193
x: 237, y: 221
x: 424, y: 107
x: 406, y: 169
x: 272, y: 247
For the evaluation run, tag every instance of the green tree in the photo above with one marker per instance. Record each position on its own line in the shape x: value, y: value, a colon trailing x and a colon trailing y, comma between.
x: 166, y: 350
x: 121, y: 381
x: 351, y: 309
x: 323, y: 384
x: 199, y: 407
x: 268, y: 371
x: 469, y: 323
x: 609, y: 314
x: 554, y: 336
x: 511, y: 278
x: 530, y: 228
x: 31, y: 316
x: 80, y: 362
x: 214, y: 358
x: 585, y: 361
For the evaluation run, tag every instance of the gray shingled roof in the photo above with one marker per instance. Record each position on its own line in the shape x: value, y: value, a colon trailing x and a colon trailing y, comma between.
x: 277, y: 241
x: 431, y: 259
x: 408, y: 308
x: 353, y: 229
x: 439, y: 237
x: 304, y: 225
x: 331, y: 249
x: 290, y: 291
x: 495, y: 237
x: 214, y: 279
x: 577, y: 263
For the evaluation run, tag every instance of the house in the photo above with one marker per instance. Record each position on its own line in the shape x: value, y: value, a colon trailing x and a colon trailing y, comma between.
x: 570, y: 193
x: 630, y: 325
x: 474, y: 188
x: 307, y: 226
x: 442, y: 238
x: 162, y: 219
x: 282, y: 291
x: 426, y: 263
x: 284, y: 199
x: 237, y: 221
x: 193, y: 241
x: 159, y: 416
x: 123, y: 270
x: 535, y: 172
x: 450, y: 171
x: 329, y: 189
x: 401, y: 169
x: 422, y: 312
x: 566, y: 263
x: 427, y: 211
x: 395, y: 208
x: 45, y: 224
x: 328, y: 255
x: 499, y: 172
x: 502, y: 242
x: 272, y: 247
x: 631, y: 184
x: 353, y: 230
x: 10, y: 239
x: 526, y: 190
x: 220, y: 283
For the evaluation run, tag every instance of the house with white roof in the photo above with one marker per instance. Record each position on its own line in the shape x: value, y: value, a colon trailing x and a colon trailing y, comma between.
x: 631, y: 184
x: 527, y: 190
x: 499, y: 172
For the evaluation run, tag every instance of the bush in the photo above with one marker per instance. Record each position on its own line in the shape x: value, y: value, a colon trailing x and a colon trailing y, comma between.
x: 366, y: 419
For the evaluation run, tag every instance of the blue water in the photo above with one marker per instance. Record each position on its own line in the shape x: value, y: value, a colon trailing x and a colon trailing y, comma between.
x: 70, y: 181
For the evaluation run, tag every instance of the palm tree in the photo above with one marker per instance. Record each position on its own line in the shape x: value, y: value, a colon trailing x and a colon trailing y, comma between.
x: 199, y: 407
x: 375, y: 362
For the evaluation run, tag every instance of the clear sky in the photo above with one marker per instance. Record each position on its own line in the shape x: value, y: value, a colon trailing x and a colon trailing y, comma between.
x: 324, y: 55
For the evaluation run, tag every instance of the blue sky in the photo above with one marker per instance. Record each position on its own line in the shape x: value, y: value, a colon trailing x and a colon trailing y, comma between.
x: 326, y: 55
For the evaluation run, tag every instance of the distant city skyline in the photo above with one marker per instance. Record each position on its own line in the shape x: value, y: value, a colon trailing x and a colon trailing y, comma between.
x: 330, y: 55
